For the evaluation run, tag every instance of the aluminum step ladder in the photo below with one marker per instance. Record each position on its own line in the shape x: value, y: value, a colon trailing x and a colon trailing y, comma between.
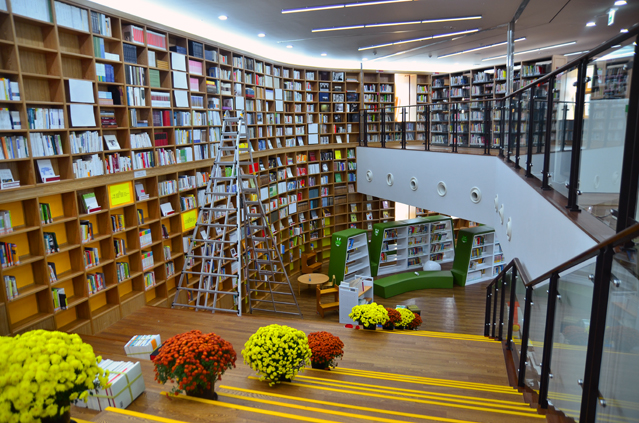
x: 244, y: 234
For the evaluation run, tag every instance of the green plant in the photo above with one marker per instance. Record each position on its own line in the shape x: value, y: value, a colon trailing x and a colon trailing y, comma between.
x: 277, y: 352
x: 415, y: 323
x: 369, y: 314
x: 407, y: 317
x: 393, y: 318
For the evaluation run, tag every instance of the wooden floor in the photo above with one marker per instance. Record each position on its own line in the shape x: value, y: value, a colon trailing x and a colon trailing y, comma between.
x: 400, y: 376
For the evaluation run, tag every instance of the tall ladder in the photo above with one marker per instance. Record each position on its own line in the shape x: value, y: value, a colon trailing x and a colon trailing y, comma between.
x: 217, y: 286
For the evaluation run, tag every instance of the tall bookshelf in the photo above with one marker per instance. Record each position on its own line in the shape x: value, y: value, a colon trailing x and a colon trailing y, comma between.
x: 160, y: 94
x: 405, y: 245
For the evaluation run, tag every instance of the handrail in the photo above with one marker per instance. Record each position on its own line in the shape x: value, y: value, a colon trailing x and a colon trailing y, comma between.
x: 623, y: 236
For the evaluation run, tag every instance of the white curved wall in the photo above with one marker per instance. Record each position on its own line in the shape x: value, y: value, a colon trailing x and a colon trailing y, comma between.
x: 542, y: 237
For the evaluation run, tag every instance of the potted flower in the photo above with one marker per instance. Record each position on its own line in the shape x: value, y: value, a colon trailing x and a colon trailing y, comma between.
x: 325, y: 349
x: 407, y: 317
x: 195, y: 361
x: 393, y: 318
x: 415, y: 323
x: 277, y: 353
x: 369, y: 315
x: 41, y: 372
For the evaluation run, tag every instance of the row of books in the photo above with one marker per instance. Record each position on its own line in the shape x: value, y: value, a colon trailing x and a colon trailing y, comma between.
x: 119, y: 246
x: 9, y: 90
x: 10, y: 119
x: 9, y: 254
x: 50, y: 242
x: 43, y: 118
x: 115, y: 163
x: 96, y: 282
x: 86, y: 231
x: 86, y: 167
x: 5, y: 222
x: 91, y: 257
x: 59, y: 299
x: 147, y: 260
x: 123, y: 271
x: 11, y: 287
x: 13, y: 147
x: 145, y: 237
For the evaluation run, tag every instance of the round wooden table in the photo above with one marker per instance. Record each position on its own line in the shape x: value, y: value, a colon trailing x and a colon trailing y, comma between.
x: 310, y: 279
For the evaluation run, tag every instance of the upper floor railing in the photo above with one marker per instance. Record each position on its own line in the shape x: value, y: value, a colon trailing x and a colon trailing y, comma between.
x: 573, y: 331
x: 575, y: 129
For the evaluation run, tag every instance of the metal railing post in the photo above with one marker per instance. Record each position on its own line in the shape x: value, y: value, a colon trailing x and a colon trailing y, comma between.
x: 427, y: 128
x: 383, y: 140
x: 511, y: 112
x: 365, y: 128
x: 495, y: 299
x: 511, y: 311
x: 487, y: 316
x: 596, y: 334
x: 403, y: 128
x: 531, y: 124
x: 502, y: 306
x: 518, y: 130
x: 549, y: 334
x: 502, y: 123
x: 545, y: 183
x: 487, y: 138
x: 577, y: 135
x: 521, y: 377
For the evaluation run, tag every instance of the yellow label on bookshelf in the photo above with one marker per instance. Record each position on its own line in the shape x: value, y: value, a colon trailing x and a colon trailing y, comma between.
x: 189, y: 219
x: 120, y: 194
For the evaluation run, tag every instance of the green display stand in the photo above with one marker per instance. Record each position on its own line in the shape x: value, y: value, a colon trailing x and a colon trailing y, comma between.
x: 432, y: 239
x: 478, y: 256
x: 349, y: 255
x: 411, y: 281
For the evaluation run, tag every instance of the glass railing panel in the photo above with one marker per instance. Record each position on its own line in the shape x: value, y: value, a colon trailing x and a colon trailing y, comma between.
x: 512, y: 126
x: 536, y: 334
x: 523, y: 126
x: 539, y: 127
x: 496, y: 116
x: 518, y: 319
x: 619, y: 369
x: 439, y: 123
x: 604, y: 131
x: 506, y: 287
x: 570, y: 340
x: 561, y: 125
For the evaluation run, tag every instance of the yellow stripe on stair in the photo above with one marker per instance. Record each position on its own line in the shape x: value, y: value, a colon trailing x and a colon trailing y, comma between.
x: 349, y: 406
x: 251, y: 409
x: 426, y: 394
x: 372, y: 395
x: 141, y: 415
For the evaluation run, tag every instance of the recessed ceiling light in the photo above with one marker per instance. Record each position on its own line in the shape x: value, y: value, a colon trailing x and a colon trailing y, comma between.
x: 591, y: 23
x: 616, y: 46
x: 621, y: 3
x: 222, y: 17
x: 624, y: 30
x: 323, y: 54
x: 261, y: 35
x: 364, y: 59
x: 341, y: 6
x: 380, y: 24
x: 289, y: 46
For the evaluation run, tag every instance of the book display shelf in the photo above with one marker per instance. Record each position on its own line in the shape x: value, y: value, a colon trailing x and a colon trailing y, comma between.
x: 406, y: 244
x: 349, y: 255
x: 479, y: 256
x: 458, y: 222
x: 113, y: 125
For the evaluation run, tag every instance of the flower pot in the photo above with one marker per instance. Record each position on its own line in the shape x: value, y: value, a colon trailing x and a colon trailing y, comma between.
x: 400, y: 327
x: 208, y: 394
x: 322, y: 366
x: 282, y: 378
x: 370, y: 327
x: 389, y: 326
x: 65, y: 418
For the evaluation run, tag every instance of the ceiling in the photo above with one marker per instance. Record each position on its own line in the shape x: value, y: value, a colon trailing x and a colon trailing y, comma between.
x: 543, y: 23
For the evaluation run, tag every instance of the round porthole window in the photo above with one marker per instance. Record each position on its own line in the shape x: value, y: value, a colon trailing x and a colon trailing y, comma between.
x: 475, y: 195
x: 413, y: 183
x: 369, y: 175
x: 390, y: 179
x: 441, y: 188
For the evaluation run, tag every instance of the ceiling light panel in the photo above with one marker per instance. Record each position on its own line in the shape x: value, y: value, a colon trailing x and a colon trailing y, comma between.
x: 341, y: 6
x: 413, y: 40
x: 377, y: 25
x: 532, y: 51
x: 479, y: 48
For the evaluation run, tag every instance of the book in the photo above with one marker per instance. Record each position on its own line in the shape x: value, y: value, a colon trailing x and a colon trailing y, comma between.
x: 50, y: 242
x: 47, y: 173
x: 11, y: 287
x: 141, y: 193
x: 59, y: 299
x: 166, y: 209
x: 90, y: 203
x: 5, y: 222
x: 111, y: 142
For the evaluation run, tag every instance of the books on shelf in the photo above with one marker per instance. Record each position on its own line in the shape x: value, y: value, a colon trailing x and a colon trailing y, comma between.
x: 91, y: 257
x: 6, y: 180
x: 53, y: 274
x: 147, y: 261
x: 9, y: 254
x: 47, y: 173
x: 88, y: 166
x: 123, y: 271
x: 96, y: 282
x: 50, y: 242
x: 36, y: 9
x: 145, y: 237
x: 5, y: 222
x: 119, y: 247
x: 84, y: 142
x: 39, y: 118
x: 90, y: 203
x: 155, y: 39
x: 140, y: 191
x: 166, y: 209
x: 43, y: 145
x: 133, y: 34
x: 100, y: 24
x: 13, y: 147
x: 9, y: 90
x: 59, y: 299
x: 11, y: 287
x: 10, y: 119
x: 117, y: 222
x: 86, y: 231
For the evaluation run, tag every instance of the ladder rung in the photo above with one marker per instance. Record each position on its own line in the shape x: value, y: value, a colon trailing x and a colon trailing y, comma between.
x: 260, y: 261
x: 268, y: 272
x: 229, y: 133
x: 218, y: 225
x: 253, y: 215
x: 212, y: 257
x: 212, y: 241
x: 252, y: 202
x: 247, y: 175
x: 226, y: 209
x: 210, y: 291
x: 222, y: 193
x: 269, y: 292
x: 224, y: 178
x: 262, y: 250
x: 255, y: 227
x: 249, y: 189
x: 226, y: 275
x: 272, y: 282
x: 277, y: 311
x: 199, y: 307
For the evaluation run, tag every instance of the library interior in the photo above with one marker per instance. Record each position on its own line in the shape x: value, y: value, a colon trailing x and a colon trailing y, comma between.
x: 191, y: 190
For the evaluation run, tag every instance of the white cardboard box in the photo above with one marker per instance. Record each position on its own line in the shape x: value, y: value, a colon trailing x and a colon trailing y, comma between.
x: 127, y: 384
x: 141, y: 346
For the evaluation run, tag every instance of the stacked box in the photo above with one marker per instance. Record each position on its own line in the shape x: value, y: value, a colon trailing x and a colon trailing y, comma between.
x: 126, y: 382
x: 141, y: 346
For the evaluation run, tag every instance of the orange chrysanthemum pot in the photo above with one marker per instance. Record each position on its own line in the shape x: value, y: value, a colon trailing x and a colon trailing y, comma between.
x: 325, y: 348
